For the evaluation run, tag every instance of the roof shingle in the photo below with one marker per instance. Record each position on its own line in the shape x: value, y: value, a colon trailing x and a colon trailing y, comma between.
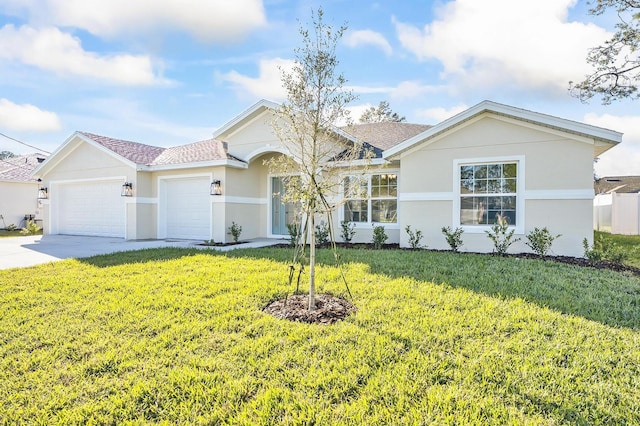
x: 18, y: 169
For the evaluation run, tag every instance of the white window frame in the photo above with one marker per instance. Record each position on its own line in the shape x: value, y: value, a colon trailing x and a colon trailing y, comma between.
x: 519, y: 160
x: 369, y: 199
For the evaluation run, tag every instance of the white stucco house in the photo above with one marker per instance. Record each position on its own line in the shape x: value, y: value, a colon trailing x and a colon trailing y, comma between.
x: 19, y: 189
x: 533, y: 168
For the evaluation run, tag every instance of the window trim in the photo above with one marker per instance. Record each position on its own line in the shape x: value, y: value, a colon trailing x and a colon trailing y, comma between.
x: 520, y: 195
x: 370, y: 223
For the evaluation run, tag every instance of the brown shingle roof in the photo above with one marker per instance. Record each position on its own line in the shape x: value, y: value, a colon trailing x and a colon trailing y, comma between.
x: 386, y: 134
x: 19, y: 169
x: 620, y: 184
x: 207, y: 150
x: 133, y: 151
x: 148, y: 155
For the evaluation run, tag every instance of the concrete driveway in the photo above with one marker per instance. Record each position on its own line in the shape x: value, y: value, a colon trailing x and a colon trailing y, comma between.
x: 16, y: 252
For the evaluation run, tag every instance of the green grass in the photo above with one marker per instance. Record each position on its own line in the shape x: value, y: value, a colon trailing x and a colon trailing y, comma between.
x: 16, y: 233
x: 179, y: 337
x: 629, y: 243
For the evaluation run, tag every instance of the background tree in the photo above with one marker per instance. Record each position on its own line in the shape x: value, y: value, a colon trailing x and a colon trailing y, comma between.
x: 617, y: 61
x: 319, y: 154
x: 6, y: 154
x: 380, y: 114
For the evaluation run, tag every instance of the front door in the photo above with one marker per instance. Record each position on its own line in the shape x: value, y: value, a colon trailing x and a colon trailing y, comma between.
x: 282, y: 214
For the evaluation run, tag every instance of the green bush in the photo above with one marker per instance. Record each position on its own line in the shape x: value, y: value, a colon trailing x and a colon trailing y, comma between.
x: 347, y: 231
x: 294, y: 234
x: 322, y: 234
x: 603, y: 249
x: 11, y: 227
x: 31, y: 228
x: 235, y: 230
x: 453, y: 237
x: 379, y: 236
x: 414, y: 237
x: 540, y: 241
x: 501, y: 236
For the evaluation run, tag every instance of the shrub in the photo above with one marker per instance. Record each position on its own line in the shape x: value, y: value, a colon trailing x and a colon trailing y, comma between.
x: 11, y: 227
x: 604, y: 250
x: 294, y: 234
x: 31, y: 228
x: 414, y: 237
x: 322, y: 234
x: 501, y: 236
x: 540, y: 241
x: 235, y: 230
x: 379, y: 236
x: 453, y: 237
x: 210, y: 242
x: 347, y: 231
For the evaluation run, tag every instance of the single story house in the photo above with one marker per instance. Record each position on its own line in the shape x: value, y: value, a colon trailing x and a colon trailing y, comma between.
x: 534, y: 169
x: 19, y: 190
x: 616, y: 207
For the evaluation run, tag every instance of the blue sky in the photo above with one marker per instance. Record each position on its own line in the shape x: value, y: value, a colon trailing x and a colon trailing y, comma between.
x: 169, y: 72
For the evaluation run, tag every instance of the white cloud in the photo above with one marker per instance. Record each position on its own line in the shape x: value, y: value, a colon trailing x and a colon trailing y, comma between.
x: 368, y: 37
x: 267, y: 85
x: 208, y: 20
x: 436, y: 115
x: 624, y: 159
x: 27, y: 117
x: 53, y: 50
x: 495, y: 43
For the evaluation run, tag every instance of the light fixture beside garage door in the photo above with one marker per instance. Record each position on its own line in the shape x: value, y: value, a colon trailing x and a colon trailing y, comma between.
x: 43, y: 193
x: 127, y: 189
x: 216, y: 187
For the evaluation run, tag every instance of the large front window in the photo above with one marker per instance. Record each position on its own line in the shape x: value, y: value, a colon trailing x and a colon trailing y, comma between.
x: 488, y: 191
x: 371, y: 199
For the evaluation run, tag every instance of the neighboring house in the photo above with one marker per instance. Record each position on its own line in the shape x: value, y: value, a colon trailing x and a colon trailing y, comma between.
x: 616, y: 207
x: 18, y: 189
x: 491, y: 159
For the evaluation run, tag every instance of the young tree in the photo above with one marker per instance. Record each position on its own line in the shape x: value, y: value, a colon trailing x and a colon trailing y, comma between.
x: 380, y: 114
x: 318, y: 152
x: 617, y: 61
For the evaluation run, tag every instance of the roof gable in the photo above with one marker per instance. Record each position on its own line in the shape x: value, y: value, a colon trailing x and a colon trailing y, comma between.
x: 604, y: 139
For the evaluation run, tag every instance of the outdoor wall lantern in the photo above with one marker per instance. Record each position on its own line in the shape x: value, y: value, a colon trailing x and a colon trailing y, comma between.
x: 127, y: 189
x: 216, y: 187
x: 43, y: 193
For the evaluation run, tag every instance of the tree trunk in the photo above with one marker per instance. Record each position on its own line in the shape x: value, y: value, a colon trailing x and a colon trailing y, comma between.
x: 312, y: 262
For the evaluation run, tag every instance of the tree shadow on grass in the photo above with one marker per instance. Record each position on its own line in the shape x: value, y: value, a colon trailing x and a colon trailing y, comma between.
x: 609, y: 297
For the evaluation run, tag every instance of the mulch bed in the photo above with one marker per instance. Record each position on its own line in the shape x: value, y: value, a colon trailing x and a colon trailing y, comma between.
x: 329, y: 309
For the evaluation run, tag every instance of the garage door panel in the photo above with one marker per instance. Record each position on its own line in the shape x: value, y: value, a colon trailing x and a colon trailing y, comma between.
x: 90, y: 208
x: 188, y: 208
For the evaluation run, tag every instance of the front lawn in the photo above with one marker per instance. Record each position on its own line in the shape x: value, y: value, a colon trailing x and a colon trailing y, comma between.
x: 629, y: 243
x: 178, y: 336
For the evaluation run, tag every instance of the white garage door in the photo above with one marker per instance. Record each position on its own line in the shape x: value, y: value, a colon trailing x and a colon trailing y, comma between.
x: 187, y: 208
x: 90, y: 208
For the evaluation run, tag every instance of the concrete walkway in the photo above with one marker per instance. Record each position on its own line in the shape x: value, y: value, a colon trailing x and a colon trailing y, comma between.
x: 17, y: 252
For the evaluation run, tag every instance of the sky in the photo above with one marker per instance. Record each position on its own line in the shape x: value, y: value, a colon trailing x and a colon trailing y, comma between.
x: 169, y: 72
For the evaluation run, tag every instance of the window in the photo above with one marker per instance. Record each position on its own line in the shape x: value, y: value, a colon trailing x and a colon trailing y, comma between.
x: 486, y: 191
x: 372, y: 199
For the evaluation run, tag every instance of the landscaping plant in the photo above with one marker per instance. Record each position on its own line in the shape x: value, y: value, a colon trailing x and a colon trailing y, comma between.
x: 501, y: 236
x: 414, y: 237
x: 31, y: 228
x: 322, y: 234
x: 347, y: 231
x: 603, y: 249
x: 453, y: 237
x: 235, y: 230
x: 379, y: 236
x: 295, y: 234
x: 540, y: 240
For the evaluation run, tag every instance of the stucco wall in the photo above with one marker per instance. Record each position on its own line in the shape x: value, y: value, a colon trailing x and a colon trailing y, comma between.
x: 16, y: 200
x: 557, y: 191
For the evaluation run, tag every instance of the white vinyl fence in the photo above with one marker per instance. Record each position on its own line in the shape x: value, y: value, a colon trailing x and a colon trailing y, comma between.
x: 617, y: 213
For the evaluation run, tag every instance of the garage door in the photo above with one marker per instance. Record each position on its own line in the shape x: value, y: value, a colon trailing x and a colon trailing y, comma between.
x: 188, y: 208
x: 90, y: 208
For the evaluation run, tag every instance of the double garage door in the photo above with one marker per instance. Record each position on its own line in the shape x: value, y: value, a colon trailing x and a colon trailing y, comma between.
x: 96, y: 208
x: 90, y: 208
